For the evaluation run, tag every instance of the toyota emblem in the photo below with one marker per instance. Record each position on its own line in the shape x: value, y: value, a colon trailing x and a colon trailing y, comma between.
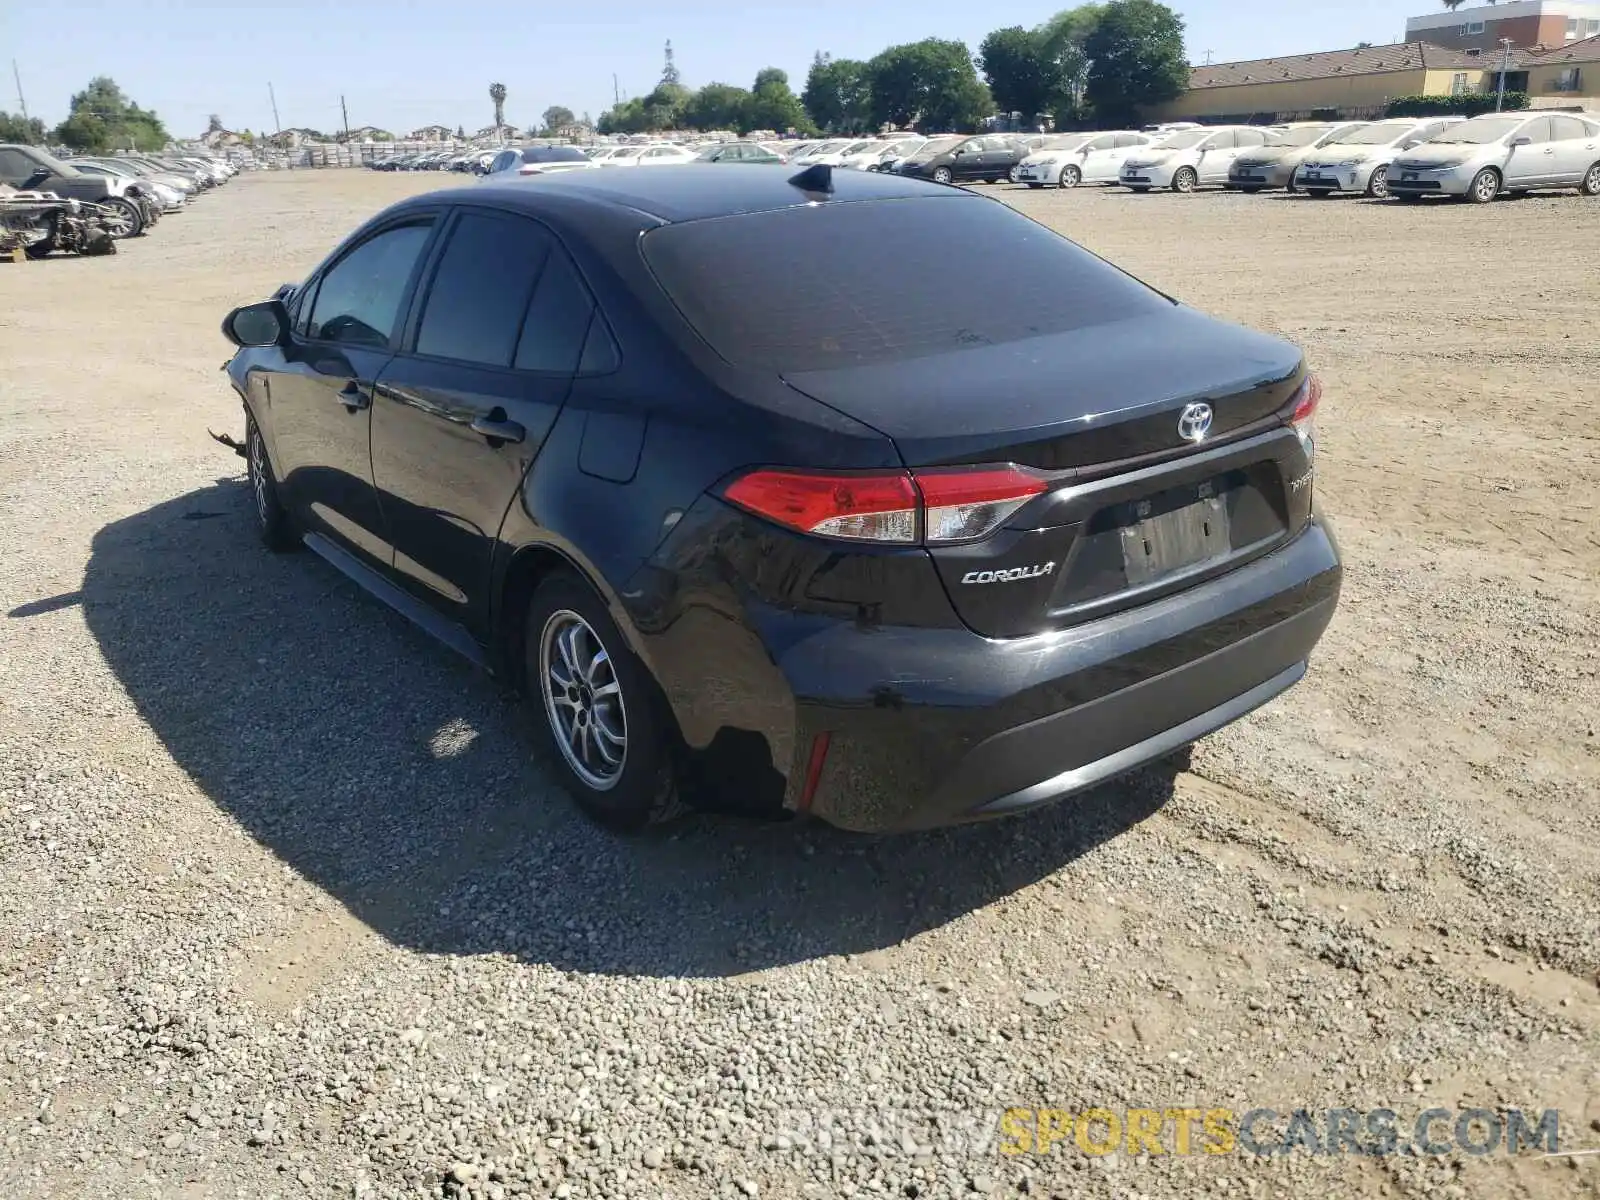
x: 1194, y: 422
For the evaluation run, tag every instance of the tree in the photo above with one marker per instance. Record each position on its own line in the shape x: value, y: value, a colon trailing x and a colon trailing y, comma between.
x: 1065, y: 35
x: 1019, y: 72
x: 497, y: 93
x: 101, y: 117
x: 717, y: 106
x: 214, y: 124
x: 930, y: 84
x: 556, y: 116
x: 838, y: 94
x: 773, y: 106
x: 28, y: 130
x: 1452, y: 5
x: 461, y: 132
x: 1136, y: 59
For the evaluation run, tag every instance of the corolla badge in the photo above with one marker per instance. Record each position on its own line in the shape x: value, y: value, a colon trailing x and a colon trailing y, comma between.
x: 1194, y: 422
x: 1011, y: 575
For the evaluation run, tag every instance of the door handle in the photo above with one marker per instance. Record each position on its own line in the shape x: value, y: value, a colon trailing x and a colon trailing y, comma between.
x: 497, y: 428
x: 352, y: 397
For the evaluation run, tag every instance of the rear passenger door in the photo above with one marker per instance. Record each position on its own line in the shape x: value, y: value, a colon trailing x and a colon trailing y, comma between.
x: 459, y: 415
x: 1577, y: 148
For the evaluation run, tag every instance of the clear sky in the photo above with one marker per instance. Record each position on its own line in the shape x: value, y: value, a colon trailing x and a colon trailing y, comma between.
x: 401, y: 64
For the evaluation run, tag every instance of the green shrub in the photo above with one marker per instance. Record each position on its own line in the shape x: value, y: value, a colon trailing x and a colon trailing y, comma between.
x: 1468, y: 104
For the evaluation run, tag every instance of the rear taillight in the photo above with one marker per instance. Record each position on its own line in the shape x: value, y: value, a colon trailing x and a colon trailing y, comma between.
x: 528, y: 169
x: 936, y: 507
x: 1303, y: 412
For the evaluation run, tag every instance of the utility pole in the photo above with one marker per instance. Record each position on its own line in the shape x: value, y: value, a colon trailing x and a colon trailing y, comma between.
x: 22, y: 100
x: 277, y: 125
x: 616, y: 92
x: 1209, y: 53
x: 1505, y: 65
x: 345, y: 113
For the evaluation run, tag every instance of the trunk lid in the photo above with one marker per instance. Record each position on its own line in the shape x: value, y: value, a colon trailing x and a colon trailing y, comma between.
x: 1132, y: 509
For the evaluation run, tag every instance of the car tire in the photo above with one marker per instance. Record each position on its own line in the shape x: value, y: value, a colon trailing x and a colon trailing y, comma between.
x: 1185, y: 180
x: 1071, y: 176
x: 1409, y: 198
x: 991, y: 179
x: 1036, y: 186
x: 1319, y: 193
x: 273, y: 525
x: 942, y: 175
x: 1378, y: 184
x: 1142, y: 191
x: 612, y: 742
x: 1485, y: 186
x: 131, y: 220
x: 1015, y: 174
x: 1591, y: 181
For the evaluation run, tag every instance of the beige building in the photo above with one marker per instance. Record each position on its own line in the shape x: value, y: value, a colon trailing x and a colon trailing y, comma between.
x: 1352, y: 84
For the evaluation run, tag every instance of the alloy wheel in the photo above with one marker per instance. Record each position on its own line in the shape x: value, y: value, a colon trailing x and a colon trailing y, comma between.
x: 1378, y: 185
x: 258, y: 476
x: 1014, y: 175
x: 1591, y: 181
x: 1071, y: 177
x: 942, y: 175
x: 583, y: 700
x: 121, y: 219
x: 1185, y: 180
x: 1485, y: 187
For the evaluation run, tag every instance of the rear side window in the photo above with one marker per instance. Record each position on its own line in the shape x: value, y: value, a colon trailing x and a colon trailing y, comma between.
x: 359, y: 296
x: 882, y: 281
x: 557, y: 321
x: 481, y: 289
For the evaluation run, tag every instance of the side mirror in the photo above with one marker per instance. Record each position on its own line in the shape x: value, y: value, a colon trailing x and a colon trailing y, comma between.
x: 1524, y: 140
x: 1410, y: 144
x: 264, y: 324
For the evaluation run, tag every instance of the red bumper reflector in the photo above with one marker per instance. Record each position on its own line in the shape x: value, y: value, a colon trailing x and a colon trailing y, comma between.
x: 819, y: 756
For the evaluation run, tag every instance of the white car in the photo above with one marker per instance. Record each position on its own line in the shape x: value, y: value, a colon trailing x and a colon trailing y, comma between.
x: 1069, y: 159
x: 884, y: 151
x: 858, y: 156
x: 1184, y: 161
x: 822, y: 152
x: 1359, y: 160
x: 1497, y: 153
x: 648, y: 156
x: 1274, y: 166
x: 515, y: 161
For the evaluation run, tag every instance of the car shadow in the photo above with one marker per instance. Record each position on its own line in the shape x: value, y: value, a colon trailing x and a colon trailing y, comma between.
x: 376, y: 764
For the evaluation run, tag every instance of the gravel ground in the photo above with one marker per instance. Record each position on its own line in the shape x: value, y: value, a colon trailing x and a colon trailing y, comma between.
x: 292, y: 911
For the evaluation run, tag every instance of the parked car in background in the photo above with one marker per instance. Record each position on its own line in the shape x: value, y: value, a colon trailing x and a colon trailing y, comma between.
x: 1070, y: 159
x: 682, y: 491
x: 537, y: 160
x: 738, y: 152
x: 28, y: 168
x: 1273, y: 167
x: 165, y: 197
x: 1192, y: 158
x: 1493, y: 154
x: 648, y: 156
x: 1359, y: 161
x: 990, y: 157
x: 886, y: 153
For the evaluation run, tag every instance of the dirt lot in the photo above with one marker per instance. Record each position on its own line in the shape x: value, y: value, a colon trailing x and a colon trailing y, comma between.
x: 290, y: 911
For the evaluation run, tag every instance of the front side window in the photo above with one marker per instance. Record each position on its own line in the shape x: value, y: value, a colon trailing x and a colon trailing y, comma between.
x: 359, y: 297
x: 481, y: 288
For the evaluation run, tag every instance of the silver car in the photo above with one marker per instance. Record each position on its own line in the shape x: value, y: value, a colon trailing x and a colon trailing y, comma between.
x: 1492, y: 154
x: 1273, y: 167
x: 1359, y: 161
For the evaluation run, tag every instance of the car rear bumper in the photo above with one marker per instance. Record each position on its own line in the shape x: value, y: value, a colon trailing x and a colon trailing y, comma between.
x: 913, y: 728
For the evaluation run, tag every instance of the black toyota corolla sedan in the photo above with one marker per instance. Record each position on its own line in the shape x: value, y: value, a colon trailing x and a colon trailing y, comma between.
x: 871, y: 496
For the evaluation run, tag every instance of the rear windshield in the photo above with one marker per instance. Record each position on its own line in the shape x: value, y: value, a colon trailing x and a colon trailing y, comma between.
x: 544, y: 154
x: 840, y: 285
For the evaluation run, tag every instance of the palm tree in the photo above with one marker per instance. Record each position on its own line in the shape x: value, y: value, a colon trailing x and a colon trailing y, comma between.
x: 1452, y: 5
x: 497, y: 93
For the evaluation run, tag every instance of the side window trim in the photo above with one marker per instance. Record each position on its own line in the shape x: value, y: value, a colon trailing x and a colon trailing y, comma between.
x: 432, y: 217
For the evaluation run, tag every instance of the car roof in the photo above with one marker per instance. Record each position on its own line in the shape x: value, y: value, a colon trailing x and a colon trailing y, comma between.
x: 695, y: 192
